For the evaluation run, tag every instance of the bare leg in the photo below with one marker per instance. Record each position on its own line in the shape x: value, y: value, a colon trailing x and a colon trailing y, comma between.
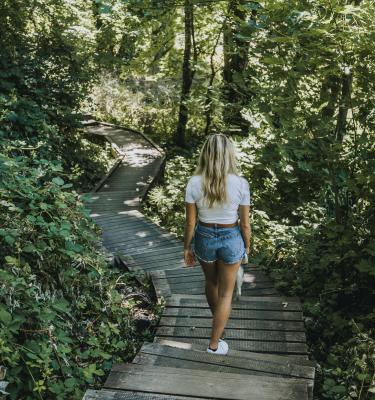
x: 226, y: 280
x: 211, y: 285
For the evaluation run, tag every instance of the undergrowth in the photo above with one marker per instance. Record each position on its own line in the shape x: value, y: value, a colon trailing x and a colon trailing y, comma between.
x: 308, y: 255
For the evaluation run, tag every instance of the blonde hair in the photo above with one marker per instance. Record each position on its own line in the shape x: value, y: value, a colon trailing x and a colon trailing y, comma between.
x: 218, y: 158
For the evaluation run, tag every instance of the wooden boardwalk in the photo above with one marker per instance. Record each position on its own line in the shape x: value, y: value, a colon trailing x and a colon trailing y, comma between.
x: 268, y: 355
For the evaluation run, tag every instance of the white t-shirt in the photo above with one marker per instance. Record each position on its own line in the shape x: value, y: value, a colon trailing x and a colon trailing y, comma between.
x: 238, y: 190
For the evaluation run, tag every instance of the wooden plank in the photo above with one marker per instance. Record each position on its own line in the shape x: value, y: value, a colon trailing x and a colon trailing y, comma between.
x: 239, y: 313
x: 284, y: 348
x: 123, y: 234
x: 251, y: 303
x: 98, y: 197
x: 139, y: 237
x: 274, y: 365
x: 132, y: 216
x: 183, y: 284
x: 164, y: 289
x: 122, y: 220
x: 162, y: 361
x: 200, y: 290
x: 153, y: 258
x: 131, y: 222
x: 150, y: 254
x: 144, y: 244
x: 173, y: 275
x: 262, y: 325
x: 132, y: 177
x: 211, y: 384
x: 234, y: 334
x: 157, y: 354
x: 279, y: 299
x: 176, y: 273
x: 269, y: 357
x: 195, y: 277
x: 129, y: 225
x: 250, y: 279
x: 122, y: 230
x: 151, y: 267
x: 126, y: 239
x: 106, y: 394
x: 159, y: 255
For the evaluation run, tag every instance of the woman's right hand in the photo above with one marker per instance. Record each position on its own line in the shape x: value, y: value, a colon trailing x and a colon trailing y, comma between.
x: 247, y: 249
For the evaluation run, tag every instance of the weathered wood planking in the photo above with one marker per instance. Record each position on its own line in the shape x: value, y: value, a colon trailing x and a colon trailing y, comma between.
x: 251, y: 303
x: 237, y: 313
x: 274, y: 358
x: 265, y: 332
x: 211, y: 384
x: 294, y: 350
x: 106, y: 394
x: 254, y: 324
x: 255, y: 364
x: 165, y: 287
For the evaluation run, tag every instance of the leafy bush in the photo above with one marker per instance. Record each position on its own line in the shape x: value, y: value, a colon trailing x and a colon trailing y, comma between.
x: 307, y: 253
x: 65, y: 315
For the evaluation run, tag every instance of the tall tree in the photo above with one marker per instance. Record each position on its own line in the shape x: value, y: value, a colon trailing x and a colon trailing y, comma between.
x: 208, y: 100
x: 187, y: 75
x: 236, y: 49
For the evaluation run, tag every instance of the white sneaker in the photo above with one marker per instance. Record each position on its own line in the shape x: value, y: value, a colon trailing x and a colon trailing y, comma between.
x: 222, y: 348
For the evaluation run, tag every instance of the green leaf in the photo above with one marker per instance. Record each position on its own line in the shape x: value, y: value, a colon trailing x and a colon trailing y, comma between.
x: 338, y: 389
x: 70, y: 382
x: 58, y: 181
x: 29, y: 248
x: 12, y: 261
x: 272, y: 60
x: 366, y: 267
x: 9, y: 239
x: 5, y: 316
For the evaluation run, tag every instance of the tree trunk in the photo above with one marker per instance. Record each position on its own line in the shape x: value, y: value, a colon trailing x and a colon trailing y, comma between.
x: 235, y: 62
x: 187, y: 76
x: 346, y: 85
x: 208, y: 100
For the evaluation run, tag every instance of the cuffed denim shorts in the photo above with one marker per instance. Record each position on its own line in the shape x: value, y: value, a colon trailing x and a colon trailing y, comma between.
x: 211, y: 243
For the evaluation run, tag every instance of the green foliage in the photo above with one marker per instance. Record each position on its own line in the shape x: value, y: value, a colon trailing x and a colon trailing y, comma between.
x: 306, y: 252
x: 305, y: 91
x: 65, y: 315
x: 43, y: 83
x: 306, y: 95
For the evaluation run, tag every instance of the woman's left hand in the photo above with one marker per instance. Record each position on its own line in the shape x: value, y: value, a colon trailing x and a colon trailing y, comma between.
x: 189, y: 258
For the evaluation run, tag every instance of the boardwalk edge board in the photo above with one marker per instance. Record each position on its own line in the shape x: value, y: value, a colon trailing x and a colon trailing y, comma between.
x: 268, y: 355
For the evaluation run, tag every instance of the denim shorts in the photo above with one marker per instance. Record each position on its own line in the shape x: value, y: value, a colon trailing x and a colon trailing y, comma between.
x: 211, y: 243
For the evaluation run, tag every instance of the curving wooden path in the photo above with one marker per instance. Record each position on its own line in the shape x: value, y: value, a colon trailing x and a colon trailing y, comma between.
x: 268, y: 356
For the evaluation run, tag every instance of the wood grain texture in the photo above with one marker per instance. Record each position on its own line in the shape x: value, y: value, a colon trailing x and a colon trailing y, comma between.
x: 211, y: 384
x: 268, y: 355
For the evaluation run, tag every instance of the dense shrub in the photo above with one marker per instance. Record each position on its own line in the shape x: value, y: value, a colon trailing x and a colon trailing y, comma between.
x: 65, y: 314
x: 308, y: 255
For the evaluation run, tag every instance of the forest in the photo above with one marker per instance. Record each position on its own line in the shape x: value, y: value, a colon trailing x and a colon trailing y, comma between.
x: 291, y: 82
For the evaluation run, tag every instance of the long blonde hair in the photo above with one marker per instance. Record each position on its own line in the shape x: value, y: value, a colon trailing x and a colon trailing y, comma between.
x: 218, y: 158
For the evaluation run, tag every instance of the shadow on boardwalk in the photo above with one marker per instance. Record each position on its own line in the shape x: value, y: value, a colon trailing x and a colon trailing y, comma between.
x: 268, y: 356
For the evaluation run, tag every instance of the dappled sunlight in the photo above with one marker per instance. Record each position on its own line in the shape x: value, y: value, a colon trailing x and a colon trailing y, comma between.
x: 107, y: 110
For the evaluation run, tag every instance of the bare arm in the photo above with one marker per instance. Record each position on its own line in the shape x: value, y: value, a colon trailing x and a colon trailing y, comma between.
x: 244, y: 213
x: 190, y: 221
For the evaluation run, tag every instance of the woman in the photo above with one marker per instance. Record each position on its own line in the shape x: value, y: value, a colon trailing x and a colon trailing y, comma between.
x: 219, y: 196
